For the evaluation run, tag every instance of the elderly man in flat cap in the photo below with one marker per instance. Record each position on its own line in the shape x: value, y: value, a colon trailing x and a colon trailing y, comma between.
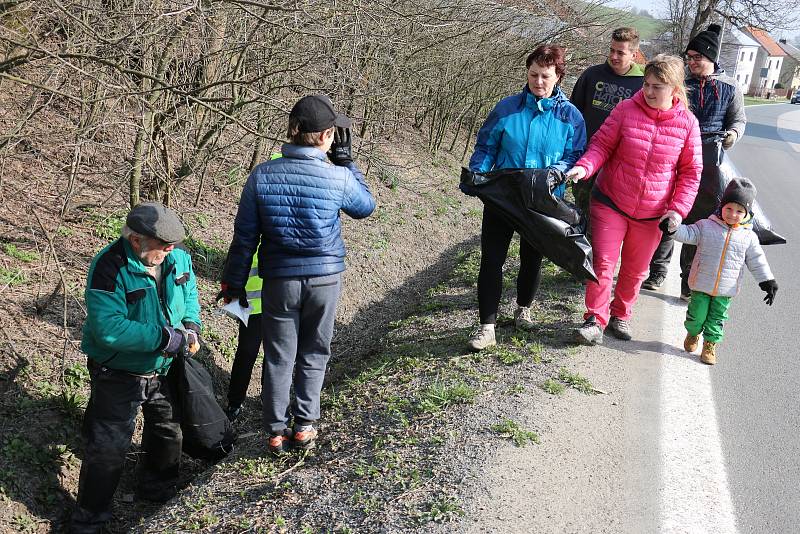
x: 142, y: 310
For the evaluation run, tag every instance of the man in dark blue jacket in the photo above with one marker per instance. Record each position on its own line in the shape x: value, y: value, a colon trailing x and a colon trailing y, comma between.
x: 291, y: 207
x: 717, y: 102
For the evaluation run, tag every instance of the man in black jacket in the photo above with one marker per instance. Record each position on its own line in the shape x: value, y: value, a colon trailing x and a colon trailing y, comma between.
x: 600, y: 88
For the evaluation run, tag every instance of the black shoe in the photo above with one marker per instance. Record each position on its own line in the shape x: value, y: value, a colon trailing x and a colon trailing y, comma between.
x: 233, y: 412
x: 654, y: 281
x: 619, y: 328
x: 686, y: 292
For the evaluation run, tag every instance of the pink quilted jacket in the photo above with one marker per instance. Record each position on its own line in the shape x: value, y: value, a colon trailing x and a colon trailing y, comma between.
x: 651, y: 159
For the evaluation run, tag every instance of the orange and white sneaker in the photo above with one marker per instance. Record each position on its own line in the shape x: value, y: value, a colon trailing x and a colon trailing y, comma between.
x: 279, y: 443
x: 304, y: 436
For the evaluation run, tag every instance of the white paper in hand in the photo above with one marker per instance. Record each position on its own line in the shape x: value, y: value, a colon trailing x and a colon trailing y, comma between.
x: 235, y: 310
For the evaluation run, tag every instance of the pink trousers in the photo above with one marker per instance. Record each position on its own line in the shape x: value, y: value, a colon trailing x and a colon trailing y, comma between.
x: 638, y: 240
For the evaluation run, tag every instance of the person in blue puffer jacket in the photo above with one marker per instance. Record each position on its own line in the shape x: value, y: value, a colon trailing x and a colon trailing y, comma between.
x: 290, y: 206
x: 537, y: 128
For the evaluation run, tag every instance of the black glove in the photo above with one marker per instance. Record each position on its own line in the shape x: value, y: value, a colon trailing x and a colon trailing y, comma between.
x: 664, y: 227
x: 230, y: 293
x: 341, y: 152
x: 770, y: 287
x: 173, y: 340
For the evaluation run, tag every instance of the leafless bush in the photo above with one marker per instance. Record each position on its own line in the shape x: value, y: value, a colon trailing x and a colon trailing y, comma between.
x: 163, y: 94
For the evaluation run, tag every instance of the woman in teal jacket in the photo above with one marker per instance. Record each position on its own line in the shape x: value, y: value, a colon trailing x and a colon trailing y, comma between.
x: 537, y: 128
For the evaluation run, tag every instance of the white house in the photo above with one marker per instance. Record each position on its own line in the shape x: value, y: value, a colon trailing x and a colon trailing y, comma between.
x: 790, y: 71
x: 768, y: 63
x: 738, y: 56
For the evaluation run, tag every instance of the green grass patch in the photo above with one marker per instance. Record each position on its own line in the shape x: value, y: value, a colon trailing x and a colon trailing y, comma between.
x: 575, y: 381
x: 441, y: 510
x: 23, y: 255
x: 467, y: 268
x: 12, y: 277
x: 553, y: 387
x: 108, y: 227
x: 755, y: 100
x: 507, y: 355
x: 438, y: 396
x: 511, y: 430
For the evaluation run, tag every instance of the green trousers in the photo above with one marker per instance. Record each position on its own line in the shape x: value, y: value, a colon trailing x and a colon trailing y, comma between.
x: 706, y: 314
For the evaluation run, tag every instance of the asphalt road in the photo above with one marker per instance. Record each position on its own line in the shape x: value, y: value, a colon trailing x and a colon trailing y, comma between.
x: 673, y: 445
x: 757, y: 381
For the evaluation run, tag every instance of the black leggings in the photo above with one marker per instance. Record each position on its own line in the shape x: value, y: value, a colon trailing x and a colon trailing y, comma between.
x: 495, y: 238
x: 245, y: 360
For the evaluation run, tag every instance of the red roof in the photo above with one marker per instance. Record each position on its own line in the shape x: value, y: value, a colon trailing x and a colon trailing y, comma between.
x: 763, y: 38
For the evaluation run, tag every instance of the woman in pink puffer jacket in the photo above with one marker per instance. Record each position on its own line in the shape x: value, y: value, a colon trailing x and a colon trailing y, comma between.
x: 649, y: 151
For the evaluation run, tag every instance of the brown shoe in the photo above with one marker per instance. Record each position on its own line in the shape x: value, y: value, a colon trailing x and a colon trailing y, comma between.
x: 709, y: 355
x: 279, y: 443
x: 690, y: 343
x: 304, y: 437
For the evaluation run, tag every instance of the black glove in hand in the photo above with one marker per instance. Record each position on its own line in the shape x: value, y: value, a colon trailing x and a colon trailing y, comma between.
x: 664, y: 227
x: 341, y: 152
x: 770, y: 287
x: 230, y: 293
x: 176, y: 341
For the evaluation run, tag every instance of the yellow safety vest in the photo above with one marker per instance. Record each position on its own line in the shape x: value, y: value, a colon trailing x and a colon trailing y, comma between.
x: 254, y: 282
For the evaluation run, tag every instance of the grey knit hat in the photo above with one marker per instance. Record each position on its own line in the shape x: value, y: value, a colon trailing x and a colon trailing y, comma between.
x: 156, y: 220
x: 742, y: 191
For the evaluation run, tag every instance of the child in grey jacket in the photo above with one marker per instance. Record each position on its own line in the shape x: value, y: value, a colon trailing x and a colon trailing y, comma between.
x: 725, y: 244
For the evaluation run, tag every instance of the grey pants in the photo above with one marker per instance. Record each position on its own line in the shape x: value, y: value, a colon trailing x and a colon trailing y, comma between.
x: 297, y: 325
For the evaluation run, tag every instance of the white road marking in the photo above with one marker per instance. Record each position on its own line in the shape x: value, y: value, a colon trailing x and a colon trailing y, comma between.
x: 694, y: 495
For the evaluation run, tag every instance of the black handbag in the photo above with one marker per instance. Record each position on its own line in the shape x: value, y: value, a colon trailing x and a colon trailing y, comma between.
x: 207, y: 432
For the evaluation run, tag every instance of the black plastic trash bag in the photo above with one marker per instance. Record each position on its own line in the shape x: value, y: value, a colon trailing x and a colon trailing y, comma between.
x: 718, y: 170
x: 207, y: 432
x: 525, y: 199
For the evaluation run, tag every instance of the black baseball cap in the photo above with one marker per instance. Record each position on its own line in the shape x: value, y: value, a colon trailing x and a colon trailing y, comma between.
x: 315, y: 113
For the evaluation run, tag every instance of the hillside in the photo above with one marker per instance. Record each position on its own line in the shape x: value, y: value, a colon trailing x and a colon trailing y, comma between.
x: 107, y: 103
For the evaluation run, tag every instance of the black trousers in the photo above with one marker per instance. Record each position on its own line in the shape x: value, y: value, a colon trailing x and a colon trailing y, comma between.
x: 244, y: 360
x: 704, y: 206
x: 582, y: 191
x: 495, y: 239
x: 108, y: 427
x: 663, y: 255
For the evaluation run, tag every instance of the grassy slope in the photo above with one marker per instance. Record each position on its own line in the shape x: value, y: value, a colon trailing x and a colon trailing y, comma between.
x: 648, y: 27
x: 403, y: 426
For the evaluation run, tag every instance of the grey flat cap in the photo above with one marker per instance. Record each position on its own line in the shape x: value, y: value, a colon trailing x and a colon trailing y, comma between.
x: 156, y: 220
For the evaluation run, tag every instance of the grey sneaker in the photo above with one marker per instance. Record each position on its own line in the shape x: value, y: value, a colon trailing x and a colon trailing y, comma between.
x: 522, y: 318
x: 654, y: 281
x: 590, y: 333
x: 619, y: 328
x: 482, y: 337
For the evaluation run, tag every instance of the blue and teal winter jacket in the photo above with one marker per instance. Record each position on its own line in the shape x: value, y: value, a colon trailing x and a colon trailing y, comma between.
x: 524, y: 131
x: 290, y: 206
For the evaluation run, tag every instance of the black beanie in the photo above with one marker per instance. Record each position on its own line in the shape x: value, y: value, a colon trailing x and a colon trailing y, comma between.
x: 707, y: 42
x: 742, y: 191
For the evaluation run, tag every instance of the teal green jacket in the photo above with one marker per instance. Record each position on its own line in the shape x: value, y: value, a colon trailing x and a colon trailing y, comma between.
x: 126, y: 315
